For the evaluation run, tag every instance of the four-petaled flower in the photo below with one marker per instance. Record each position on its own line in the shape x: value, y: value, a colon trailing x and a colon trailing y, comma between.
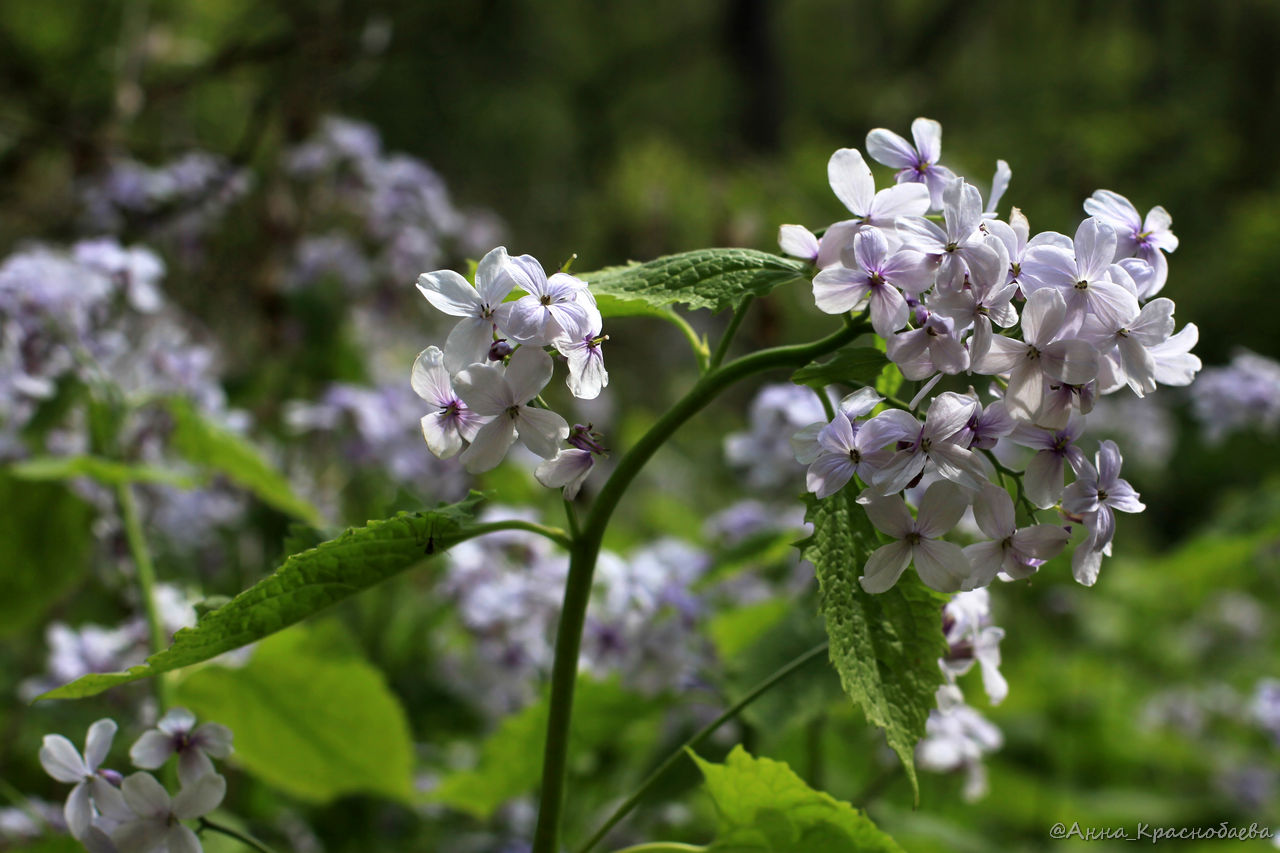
x: 940, y: 564
x: 504, y: 397
x: 177, y: 733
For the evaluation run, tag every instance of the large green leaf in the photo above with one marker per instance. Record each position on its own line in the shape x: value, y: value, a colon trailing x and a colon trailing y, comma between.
x: 212, y: 447
x: 850, y: 365
x: 106, y: 471
x: 886, y: 647
x: 46, y: 542
x: 314, y: 721
x: 763, y: 806
x: 304, y: 584
x: 707, y: 278
x: 510, y: 763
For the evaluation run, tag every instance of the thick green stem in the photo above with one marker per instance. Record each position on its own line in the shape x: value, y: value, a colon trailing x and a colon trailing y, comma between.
x: 586, y: 547
x: 729, y: 713
x: 146, y: 582
x: 722, y: 348
x: 243, y: 837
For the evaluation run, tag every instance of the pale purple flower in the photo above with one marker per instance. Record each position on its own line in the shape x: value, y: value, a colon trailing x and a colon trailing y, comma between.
x: 452, y: 424
x: 1127, y: 346
x: 559, y: 306
x: 1244, y: 394
x: 1015, y: 234
x: 469, y: 341
x: 1082, y: 276
x: 177, y: 733
x: 936, y: 441
x: 798, y: 242
x: 971, y: 638
x: 1175, y: 365
x: 956, y: 738
x: 845, y: 451
x: 941, y: 565
x: 933, y: 348
x: 981, y: 303
x: 567, y: 470
x: 869, y: 273
x: 1094, y: 496
x: 1148, y: 239
x: 63, y: 762
x: 915, y: 164
x: 1045, y: 472
x: 585, y: 355
x: 987, y: 426
x: 1011, y: 552
x: 1043, y: 355
x: 158, y: 824
x: 1264, y: 708
x: 489, y: 392
x: 959, y: 248
x: 137, y: 269
x: 852, y: 182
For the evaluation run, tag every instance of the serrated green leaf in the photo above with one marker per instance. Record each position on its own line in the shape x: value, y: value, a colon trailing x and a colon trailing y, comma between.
x: 510, y: 762
x: 763, y: 806
x: 106, y: 471
x: 304, y: 584
x: 850, y: 365
x: 309, y: 722
x: 706, y: 278
x: 886, y: 647
x: 45, y: 537
x: 212, y: 447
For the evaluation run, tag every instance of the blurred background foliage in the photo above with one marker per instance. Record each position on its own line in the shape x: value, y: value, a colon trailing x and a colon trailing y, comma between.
x: 626, y: 130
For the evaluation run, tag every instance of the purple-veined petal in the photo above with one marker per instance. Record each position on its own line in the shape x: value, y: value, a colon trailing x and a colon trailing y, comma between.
x: 870, y: 248
x: 829, y: 473
x: 839, y: 289
x: 1123, y: 497
x: 941, y: 565
x: 838, y: 237
x: 430, y: 379
x: 443, y: 440
x: 177, y: 721
x: 910, y: 270
x: 885, y: 565
x: 528, y: 373
x: 541, y: 430
x: 962, y: 210
x: 904, y: 467
x: 888, y: 148
x: 489, y: 446
x: 837, y: 436
x: 450, y: 293
x: 587, y: 375
x: 940, y: 508
x: 567, y: 470
x: 890, y: 516
x: 571, y: 319
x: 109, y: 801
x: 891, y: 425
x: 527, y: 274
x: 948, y: 413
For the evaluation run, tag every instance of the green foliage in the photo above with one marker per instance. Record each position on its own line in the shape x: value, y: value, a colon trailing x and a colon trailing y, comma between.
x: 707, y: 278
x: 106, y: 471
x: 763, y: 806
x: 733, y: 631
x: 885, y: 647
x: 44, y: 535
x: 808, y: 693
x: 216, y: 449
x: 511, y: 759
x: 313, y: 720
x: 304, y: 584
x: 850, y: 365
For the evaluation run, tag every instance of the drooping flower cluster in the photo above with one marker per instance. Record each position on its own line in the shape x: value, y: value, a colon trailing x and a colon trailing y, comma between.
x: 484, y: 387
x: 1051, y: 321
x: 111, y: 813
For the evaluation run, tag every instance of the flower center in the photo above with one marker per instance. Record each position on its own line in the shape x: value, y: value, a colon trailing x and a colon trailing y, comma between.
x: 1082, y: 284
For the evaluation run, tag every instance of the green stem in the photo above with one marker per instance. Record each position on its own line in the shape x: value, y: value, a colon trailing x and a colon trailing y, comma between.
x: 555, y: 534
x: 571, y: 518
x: 586, y: 547
x: 700, y: 351
x: 722, y: 348
x: 146, y: 581
x: 243, y: 837
x: 664, y: 847
x: 729, y: 713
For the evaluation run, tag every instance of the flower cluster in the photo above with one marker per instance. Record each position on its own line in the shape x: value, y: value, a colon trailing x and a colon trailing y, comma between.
x: 1052, y: 321
x: 485, y: 385
x: 1242, y: 395
x: 111, y: 813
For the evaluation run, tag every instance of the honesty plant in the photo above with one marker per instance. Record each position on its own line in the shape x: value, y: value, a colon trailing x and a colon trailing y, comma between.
x: 1002, y: 337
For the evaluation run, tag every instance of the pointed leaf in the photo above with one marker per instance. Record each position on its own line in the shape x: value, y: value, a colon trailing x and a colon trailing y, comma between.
x: 707, y: 278
x: 850, y: 366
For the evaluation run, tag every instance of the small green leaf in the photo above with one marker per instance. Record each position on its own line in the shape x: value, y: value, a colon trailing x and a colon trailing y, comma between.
x: 106, y: 471
x: 850, y: 365
x: 707, y: 278
x: 511, y: 759
x: 315, y: 724
x: 304, y: 584
x: 214, y: 448
x: 886, y: 647
x: 763, y: 806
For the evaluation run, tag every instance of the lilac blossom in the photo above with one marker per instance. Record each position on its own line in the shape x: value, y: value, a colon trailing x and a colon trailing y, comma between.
x: 852, y: 182
x: 870, y: 274
x: 177, y: 734
x: 940, y: 564
x: 960, y: 249
x: 585, y: 355
x: 1148, y: 239
x: 1055, y: 448
x: 915, y: 164
x: 453, y: 424
x: 845, y: 451
x: 957, y: 738
x: 1013, y: 553
x: 559, y: 306
x: 1082, y: 276
x: 504, y: 396
x: 1126, y: 344
x: 1243, y: 395
x: 478, y: 306
x: 933, y: 445
x: 935, y: 347
x: 981, y: 303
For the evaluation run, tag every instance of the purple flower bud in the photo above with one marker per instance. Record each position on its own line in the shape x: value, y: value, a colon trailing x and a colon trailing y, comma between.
x: 583, y: 438
x: 500, y: 350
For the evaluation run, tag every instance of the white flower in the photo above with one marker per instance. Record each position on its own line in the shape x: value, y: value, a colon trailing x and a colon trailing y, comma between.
x: 843, y: 452
x: 1127, y: 345
x: 1094, y: 496
x: 449, y: 292
x: 971, y: 637
x: 585, y: 355
x: 852, y: 182
x: 960, y: 249
x: 505, y: 397
x: 1082, y: 276
x: 1175, y: 365
x: 177, y: 732
x: 568, y: 469
x: 452, y: 424
x: 554, y: 307
x: 798, y: 242
x: 1147, y: 238
x: 869, y: 273
x: 957, y: 737
x: 933, y: 348
x: 157, y: 827
x: 915, y: 164
x: 941, y: 565
x: 1012, y: 552
x: 935, y: 441
x: 62, y: 761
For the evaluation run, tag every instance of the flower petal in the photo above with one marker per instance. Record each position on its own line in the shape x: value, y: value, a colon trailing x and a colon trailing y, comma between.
x: 940, y: 509
x: 528, y: 373
x: 541, y: 430
x: 98, y: 743
x: 145, y: 795
x: 851, y: 180
x: 941, y: 565
x: 886, y: 147
x: 450, y: 293
x: 885, y: 565
x: 489, y: 446
x: 200, y: 797
x: 151, y: 750
x: 61, y: 760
